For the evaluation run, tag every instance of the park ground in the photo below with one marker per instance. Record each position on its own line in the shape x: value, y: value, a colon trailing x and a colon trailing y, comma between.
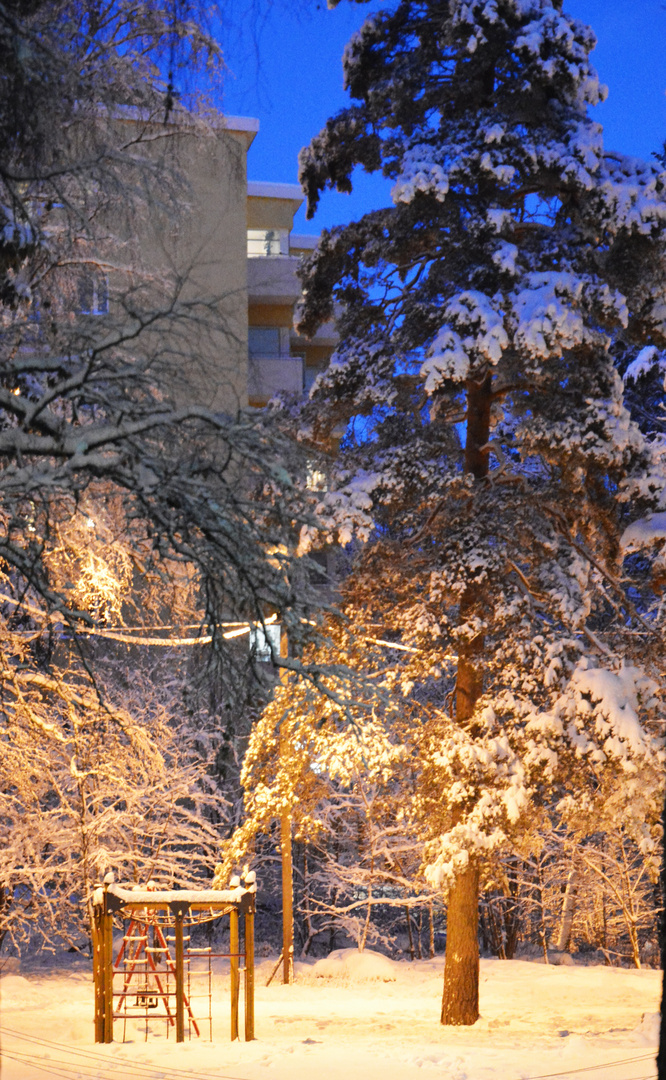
x: 348, y: 1018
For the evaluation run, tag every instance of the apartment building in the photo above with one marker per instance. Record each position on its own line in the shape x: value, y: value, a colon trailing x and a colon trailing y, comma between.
x: 278, y: 357
x: 236, y: 254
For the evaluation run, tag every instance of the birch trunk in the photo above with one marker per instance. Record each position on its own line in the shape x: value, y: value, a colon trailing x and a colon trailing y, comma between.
x: 568, y: 912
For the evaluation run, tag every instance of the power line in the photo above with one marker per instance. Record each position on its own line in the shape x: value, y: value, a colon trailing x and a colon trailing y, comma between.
x: 593, y: 1068
x: 113, y: 635
x: 95, y: 1060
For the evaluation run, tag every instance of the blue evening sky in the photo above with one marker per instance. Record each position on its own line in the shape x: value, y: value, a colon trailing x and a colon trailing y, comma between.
x: 286, y: 70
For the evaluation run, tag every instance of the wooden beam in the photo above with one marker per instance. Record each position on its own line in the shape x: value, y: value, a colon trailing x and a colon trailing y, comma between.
x: 249, y: 972
x: 98, y: 972
x: 234, y: 949
x: 180, y: 979
x: 107, y: 978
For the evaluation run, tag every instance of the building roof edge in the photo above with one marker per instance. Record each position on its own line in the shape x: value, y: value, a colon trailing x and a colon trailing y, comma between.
x: 264, y: 189
x: 241, y: 123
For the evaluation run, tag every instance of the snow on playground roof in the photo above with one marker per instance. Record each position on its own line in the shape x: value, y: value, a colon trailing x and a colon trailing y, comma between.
x: 168, y: 896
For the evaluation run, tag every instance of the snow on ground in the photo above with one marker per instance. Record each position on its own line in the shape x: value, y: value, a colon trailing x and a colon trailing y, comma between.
x: 353, y: 1018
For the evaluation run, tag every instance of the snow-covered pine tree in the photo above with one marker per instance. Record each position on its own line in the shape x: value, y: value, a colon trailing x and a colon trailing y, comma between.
x: 497, y: 463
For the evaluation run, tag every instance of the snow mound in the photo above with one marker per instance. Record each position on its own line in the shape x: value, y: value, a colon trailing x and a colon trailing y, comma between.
x: 557, y: 959
x: 358, y: 966
x: 649, y: 1028
x: 17, y: 989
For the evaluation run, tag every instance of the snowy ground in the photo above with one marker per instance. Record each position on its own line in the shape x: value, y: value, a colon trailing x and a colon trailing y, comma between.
x: 536, y: 1021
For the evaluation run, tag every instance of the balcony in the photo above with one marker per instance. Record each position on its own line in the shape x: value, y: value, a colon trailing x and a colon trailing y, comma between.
x: 270, y: 375
x: 272, y: 280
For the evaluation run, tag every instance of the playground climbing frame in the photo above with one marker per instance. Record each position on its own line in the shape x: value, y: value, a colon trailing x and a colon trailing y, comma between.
x: 151, y: 975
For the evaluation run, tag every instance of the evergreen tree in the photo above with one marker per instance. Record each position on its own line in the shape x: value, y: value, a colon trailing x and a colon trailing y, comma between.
x: 492, y: 463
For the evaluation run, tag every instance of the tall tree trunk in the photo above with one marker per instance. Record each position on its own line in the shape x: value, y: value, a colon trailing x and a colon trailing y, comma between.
x: 479, y: 403
x: 287, y: 901
x: 286, y: 856
x: 307, y: 914
x: 542, y: 929
x: 460, y: 1001
x: 4, y: 909
x: 408, y: 916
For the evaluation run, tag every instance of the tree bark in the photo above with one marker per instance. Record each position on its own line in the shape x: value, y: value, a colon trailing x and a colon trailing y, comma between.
x: 287, y: 901
x: 409, y: 933
x: 568, y: 912
x: 307, y: 914
x: 287, y: 869
x: 479, y: 404
x: 460, y: 1003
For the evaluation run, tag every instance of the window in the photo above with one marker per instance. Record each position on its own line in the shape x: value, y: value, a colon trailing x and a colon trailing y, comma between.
x: 264, y: 340
x: 93, y: 293
x: 261, y: 242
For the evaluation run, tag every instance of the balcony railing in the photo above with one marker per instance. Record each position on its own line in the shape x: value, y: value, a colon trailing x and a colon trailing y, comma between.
x: 270, y: 375
x: 273, y: 280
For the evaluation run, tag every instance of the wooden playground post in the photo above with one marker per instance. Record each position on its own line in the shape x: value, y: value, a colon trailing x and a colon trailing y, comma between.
x: 249, y: 970
x: 180, y: 978
x: 234, y: 947
x: 107, y: 977
x: 98, y: 972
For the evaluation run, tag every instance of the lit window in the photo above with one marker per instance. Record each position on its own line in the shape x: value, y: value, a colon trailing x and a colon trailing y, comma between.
x: 315, y: 479
x: 94, y: 293
x: 261, y: 242
x: 263, y: 640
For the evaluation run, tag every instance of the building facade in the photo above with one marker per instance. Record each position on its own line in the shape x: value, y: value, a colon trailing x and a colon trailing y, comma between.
x: 234, y: 256
x: 279, y: 359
